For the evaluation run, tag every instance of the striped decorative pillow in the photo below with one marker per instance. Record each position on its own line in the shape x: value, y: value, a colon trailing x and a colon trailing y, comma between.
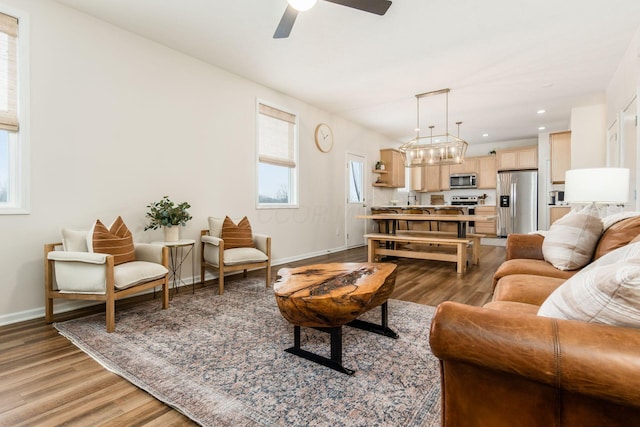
x: 607, y: 293
x: 571, y: 241
x: 237, y: 236
x: 116, y: 240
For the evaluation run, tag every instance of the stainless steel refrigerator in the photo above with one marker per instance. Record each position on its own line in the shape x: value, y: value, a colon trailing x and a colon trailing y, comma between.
x: 517, y: 197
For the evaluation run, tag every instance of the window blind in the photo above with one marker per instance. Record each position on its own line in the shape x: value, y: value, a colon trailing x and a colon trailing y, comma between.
x: 277, y: 136
x: 8, y: 73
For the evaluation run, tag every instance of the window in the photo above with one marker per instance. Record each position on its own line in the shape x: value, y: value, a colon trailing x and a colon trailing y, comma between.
x: 356, y: 181
x: 13, y: 140
x: 277, y: 148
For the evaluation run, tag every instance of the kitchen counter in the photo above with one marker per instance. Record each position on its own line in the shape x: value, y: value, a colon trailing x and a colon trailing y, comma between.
x: 412, y: 206
x: 423, y: 206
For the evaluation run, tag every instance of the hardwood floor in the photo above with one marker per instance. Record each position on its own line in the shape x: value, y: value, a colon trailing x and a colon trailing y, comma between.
x: 46, y: 381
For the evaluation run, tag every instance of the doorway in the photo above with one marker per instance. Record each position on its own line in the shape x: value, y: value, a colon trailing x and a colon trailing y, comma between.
x: 629, y: 137
x: 355, y: 190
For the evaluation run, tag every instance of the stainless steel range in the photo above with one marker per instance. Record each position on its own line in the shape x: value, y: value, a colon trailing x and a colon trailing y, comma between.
x: 470, y: 202
x: 464, y: 201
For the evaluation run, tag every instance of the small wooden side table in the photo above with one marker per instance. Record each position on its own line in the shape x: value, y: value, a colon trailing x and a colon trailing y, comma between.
x: 179, y: 251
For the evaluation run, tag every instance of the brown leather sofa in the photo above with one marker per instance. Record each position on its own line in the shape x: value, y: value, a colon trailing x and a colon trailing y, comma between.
x: 502, y: 365
x: 524, y: 251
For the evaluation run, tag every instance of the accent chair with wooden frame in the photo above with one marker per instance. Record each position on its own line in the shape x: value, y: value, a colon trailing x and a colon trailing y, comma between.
x: 214, y: 256
x: 83, y: 275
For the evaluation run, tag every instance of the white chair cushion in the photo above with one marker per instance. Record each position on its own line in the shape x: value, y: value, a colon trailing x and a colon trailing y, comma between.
x: 135, y: 272
x: 243, y: 256
x: 74, y: 240
x: 80, y: 277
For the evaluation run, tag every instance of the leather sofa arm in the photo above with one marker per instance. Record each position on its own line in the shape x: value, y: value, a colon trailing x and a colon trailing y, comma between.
x: 527, y: 246
x: 596, y: 360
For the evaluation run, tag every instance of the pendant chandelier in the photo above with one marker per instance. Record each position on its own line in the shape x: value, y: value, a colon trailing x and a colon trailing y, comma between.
x: 443, y: 149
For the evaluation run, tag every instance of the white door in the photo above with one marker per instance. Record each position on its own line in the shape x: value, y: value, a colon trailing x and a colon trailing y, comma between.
x: 629, y: 136
x: 355, y: 185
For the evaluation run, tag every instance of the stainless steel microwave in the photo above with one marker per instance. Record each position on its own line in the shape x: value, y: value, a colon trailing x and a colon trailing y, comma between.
x: 463, y: 180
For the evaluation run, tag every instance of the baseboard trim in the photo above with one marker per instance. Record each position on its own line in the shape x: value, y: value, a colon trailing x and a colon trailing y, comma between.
x: 63, y: 306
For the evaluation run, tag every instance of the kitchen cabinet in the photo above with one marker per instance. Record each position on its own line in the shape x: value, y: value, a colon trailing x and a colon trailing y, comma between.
x: 486, y: 227
x: 427, y: 179
x: 560, y: 155
x: 487, y: 172
x: 418, y: 178
x: 557, y: 212
x: 436, y: 177
x: 394, y: 169
x: 445, y: 171
x: 517, y: 158
x: 433, y: 178
x: 470, y: 165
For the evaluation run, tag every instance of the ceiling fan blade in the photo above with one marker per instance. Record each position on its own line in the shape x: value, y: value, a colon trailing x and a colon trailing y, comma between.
x: 379, y: 7
x: 286, y: 23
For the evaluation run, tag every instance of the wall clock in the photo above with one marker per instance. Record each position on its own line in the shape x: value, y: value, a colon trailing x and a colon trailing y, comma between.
x: 324, y: 137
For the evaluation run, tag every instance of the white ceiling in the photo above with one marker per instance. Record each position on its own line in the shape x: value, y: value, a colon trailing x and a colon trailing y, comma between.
x: 502, y: 59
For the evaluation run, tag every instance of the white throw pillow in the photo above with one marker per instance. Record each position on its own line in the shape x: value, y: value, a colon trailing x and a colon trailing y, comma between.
x: 74, y: 240
x: 608, y: 294
x: 215, y: 225
x: 570, y: 242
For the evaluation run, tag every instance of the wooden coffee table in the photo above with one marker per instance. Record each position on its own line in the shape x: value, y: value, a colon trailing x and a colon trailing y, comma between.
x: 329, y: 296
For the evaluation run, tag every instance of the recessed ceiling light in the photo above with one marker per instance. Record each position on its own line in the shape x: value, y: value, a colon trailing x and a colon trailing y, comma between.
x: 485, y: 135
x: 302, y: 5
x: 542, y: 111
x: 541, y: 128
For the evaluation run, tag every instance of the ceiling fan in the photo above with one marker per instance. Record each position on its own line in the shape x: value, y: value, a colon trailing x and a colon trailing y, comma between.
x: 379, y: 7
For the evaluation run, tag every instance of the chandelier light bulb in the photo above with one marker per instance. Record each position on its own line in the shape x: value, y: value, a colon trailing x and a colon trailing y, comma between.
x: 302, y: 5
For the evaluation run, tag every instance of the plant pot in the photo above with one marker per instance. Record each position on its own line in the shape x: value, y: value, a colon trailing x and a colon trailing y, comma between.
x: 171, y: 234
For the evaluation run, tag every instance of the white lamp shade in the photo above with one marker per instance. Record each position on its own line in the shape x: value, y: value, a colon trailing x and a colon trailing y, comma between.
x: 597, y: 185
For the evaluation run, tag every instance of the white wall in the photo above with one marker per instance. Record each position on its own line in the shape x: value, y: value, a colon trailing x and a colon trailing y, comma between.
x: 118, y: 121
x: 588, y: 136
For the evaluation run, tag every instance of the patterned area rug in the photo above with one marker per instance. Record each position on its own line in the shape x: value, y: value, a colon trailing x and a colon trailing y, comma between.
x: 220, y: 360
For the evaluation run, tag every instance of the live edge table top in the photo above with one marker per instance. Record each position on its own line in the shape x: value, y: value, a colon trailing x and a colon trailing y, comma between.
x: 331, y: 295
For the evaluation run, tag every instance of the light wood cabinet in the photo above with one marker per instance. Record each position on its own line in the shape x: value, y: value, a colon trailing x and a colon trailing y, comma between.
x: 486, y: 227
x: 487, y: 173
x: 560, y: 155
x: 517, y: 158
x: 433, y: 178
x: 427, y: 179
x: 418, y: 179
x: 393, y: 175
x: 557, y: 212
x: 445, y: 171
x: 470, y: 165
x: 436, y: 178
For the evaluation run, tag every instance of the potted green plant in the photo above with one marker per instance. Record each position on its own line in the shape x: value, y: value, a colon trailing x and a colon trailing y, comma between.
x: 169, y: 216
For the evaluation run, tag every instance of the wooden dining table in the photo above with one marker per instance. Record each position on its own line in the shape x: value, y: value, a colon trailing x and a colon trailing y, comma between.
x: 461, y: 220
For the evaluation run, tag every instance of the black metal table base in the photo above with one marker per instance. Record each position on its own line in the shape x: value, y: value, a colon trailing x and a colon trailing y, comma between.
x: 335, y: 362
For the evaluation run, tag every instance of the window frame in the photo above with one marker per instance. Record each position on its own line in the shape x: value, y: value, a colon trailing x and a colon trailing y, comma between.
x: 294, y: 171
x: 19, y: 141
